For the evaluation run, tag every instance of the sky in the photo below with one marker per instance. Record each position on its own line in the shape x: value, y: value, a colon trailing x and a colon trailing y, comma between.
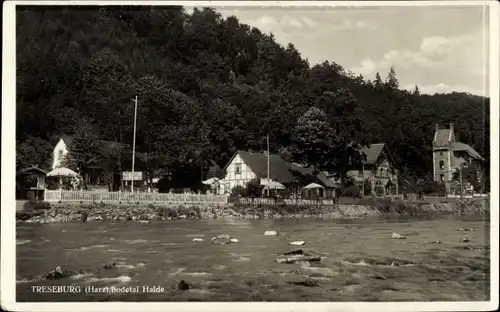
x: 440, y: 49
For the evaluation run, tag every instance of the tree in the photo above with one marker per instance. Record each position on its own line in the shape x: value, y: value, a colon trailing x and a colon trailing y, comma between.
x: 313, y: 138
x: 84, y: 150
x: 391, y: 81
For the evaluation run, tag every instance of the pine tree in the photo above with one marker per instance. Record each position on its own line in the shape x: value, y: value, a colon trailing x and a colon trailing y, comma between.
x: 391, y: 81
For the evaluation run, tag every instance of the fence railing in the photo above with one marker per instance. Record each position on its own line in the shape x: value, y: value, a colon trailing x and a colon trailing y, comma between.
x: 125, y: 197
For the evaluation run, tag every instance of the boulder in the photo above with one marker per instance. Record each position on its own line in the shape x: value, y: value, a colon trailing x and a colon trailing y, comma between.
x: 183, y: 285
x: 298, y: 243
x: 197, y: 239
x: 295, y: 252
x: 108, y: 266
x: 234, y: 240
x: 298, y: 259
x: 397, y: 236
x: 465, y: 240
x: 270, y: 233
x: 306, y: 283
x: 58, y: 273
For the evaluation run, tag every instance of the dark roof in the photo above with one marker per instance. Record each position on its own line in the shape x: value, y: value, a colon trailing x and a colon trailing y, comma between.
x: 373, y: 152
x: 30, y: 169
x: 442, y: 137
x: 320, y: 177
x: 459, y: 146
x: 278, y: 168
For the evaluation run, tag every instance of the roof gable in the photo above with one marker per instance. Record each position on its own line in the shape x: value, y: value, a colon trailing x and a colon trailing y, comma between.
x: 278, y: 168
x: 373, y: 152
x: 459, y: 146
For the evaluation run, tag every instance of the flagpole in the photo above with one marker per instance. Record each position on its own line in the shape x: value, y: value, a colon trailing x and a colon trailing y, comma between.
x: 133, y: 145
x: 268, y: 179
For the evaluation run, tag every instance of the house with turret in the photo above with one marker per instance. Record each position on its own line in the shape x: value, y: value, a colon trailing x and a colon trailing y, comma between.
x: 450, y: 154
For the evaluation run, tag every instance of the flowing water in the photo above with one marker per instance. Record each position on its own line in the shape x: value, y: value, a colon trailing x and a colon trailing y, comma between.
x: 360, y: 261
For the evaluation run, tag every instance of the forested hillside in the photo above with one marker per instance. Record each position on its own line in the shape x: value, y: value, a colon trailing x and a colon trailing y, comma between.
x: 208, y: 86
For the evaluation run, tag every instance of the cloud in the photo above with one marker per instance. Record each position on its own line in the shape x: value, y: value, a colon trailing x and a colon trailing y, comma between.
x: 268, y: 23
x: 353, y: 25
x: 444, y: 88
x: 460, y: 53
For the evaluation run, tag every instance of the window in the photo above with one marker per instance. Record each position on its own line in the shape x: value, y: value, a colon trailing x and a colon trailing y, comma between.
x: 441, y: 164
x: 440, y: 153
x: 441, y: 177
x: 381, y: 172
x: 237, y: 169
x: 60, y: 155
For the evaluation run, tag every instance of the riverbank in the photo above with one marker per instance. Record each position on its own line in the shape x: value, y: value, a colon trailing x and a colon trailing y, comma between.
x: 73, y: 212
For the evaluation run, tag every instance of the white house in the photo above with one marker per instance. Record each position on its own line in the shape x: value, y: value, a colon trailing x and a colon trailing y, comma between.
x: 245, y: 166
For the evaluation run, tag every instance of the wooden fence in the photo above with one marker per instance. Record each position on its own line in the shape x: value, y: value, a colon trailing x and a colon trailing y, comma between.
x: 132, y: 198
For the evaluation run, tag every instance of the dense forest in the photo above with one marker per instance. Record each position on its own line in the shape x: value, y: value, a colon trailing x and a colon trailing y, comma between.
x: 206, y: 87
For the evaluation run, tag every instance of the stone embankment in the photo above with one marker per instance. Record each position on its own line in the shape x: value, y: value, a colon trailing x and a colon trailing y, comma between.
x: 68, y: 212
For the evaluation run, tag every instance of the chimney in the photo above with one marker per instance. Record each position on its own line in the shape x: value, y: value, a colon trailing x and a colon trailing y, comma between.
x: 437, y: 127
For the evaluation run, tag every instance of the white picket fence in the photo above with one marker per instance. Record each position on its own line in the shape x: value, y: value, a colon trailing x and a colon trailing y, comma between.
x: 126, y: 197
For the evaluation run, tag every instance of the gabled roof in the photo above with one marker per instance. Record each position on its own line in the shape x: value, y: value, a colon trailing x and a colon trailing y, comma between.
x: 374, y: 151
x: 442, y: 137
x: 278, y: 168
x: 459, y: 146
x: 30, y: 169
x: 320, y: 177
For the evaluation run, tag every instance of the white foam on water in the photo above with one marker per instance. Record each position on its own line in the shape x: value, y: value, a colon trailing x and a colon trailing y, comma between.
x: 177, y: 271
x: 125, y: 266
x: 24, y: 280
x: 80, y: 276
x: 197, y: 273
x: 140, y: 265
x: 22, y: 242
x: 195, y: 235
x: 119, y: 279
x: 242, y: 259
x: 220, y: 267
x: 135, y: 241
x: 92, y: 247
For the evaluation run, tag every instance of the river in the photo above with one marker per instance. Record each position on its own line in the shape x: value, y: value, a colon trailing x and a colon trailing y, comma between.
x: 357, y: 263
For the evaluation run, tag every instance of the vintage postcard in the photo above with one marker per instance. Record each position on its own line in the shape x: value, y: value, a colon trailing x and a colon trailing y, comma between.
x: 203, y: 155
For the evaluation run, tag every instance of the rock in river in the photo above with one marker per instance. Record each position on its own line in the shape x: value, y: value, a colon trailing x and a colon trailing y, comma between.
x: 270, y: 233
x: 397, y: 236
x: 465, y: 240
x: 183, y: 285
x: 298, y: 243
x: 197, y: 239
x: 234, y: 240
x: 297, y: 256
x: 58, y: 273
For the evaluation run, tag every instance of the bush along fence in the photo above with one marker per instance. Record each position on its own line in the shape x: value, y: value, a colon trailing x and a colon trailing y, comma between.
x: 132, y: 198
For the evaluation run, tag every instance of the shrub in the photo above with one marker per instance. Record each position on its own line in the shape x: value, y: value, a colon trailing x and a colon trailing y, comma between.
x: 350, y: 191
x: 238, y: 191
x: 36, y: 205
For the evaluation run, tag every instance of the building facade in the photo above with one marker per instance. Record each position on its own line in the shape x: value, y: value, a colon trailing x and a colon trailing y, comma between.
x: 246, y: 166
x: 379, y: 169
x: 449, y: 155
